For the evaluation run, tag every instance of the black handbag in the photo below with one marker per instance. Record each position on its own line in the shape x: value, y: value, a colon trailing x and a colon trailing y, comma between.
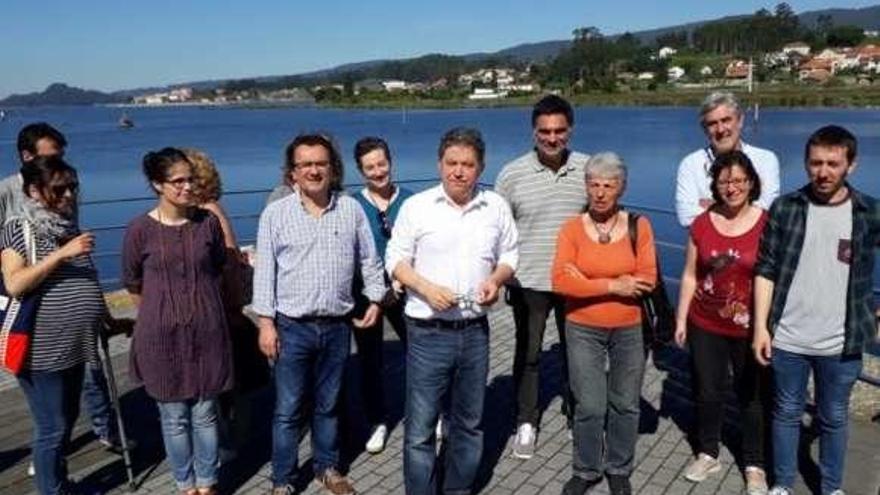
x: 658, y: 317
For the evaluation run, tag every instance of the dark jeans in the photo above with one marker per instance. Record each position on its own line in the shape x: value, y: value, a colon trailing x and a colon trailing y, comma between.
x: 441, y: 361
x: 712, y: 358
x: 53, y: 398
x: 530, y: 311
x: 96, y: 397
x: 312, y: 359
x: 369, y: 343
x: 834, y: 377
x: 606, y: 408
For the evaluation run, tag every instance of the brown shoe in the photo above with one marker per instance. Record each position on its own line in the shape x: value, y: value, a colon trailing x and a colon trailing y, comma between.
x: 335, y: 483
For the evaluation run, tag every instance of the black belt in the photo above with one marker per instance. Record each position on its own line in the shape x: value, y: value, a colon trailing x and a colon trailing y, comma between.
x: 316, y: 318
x: 447, y: 324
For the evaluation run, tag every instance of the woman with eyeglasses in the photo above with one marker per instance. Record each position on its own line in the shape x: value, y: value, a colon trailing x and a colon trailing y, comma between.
x: 381, y: 199
x: 172, y: 260
x: 70, y: 312
x: 715, y: 318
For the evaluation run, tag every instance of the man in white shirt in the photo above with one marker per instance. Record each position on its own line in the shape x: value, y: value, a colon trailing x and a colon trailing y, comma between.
x: 722, y: 120
x: 452, y: 247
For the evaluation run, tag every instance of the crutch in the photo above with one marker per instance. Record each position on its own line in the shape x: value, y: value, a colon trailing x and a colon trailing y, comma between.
x: 107, y: 365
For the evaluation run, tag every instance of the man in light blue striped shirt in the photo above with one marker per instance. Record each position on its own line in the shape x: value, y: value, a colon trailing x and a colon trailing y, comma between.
x: 309, y: 245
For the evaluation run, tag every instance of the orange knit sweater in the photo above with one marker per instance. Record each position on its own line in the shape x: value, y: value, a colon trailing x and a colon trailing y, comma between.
x: 587, y: 299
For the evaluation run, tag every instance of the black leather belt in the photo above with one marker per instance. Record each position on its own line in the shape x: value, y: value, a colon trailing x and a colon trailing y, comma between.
x: 447, y: 324
x: 317, y: 319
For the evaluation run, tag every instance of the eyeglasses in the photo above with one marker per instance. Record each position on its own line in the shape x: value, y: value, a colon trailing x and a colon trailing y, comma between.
x: 385, y: 223
x: 738, y: 182
x: 319, y: 164
x: 59, y: 190
x: 180, y: 182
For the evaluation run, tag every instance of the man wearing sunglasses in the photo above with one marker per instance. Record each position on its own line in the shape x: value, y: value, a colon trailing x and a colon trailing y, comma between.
x: 452, y: 247
x: 40, y: 139
x: 381, y: 200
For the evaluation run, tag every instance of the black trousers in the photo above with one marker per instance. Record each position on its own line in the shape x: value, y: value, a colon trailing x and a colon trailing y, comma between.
x: 530, y: 311
x: 713, y: 357
x: 369, y: 344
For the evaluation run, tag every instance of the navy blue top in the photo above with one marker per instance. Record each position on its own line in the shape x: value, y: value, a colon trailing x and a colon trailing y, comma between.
x: 382, y: 228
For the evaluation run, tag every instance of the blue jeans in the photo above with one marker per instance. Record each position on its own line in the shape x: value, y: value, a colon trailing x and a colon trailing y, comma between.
x: 834, y: 377
x: 96, y: 397
x: 440, y: 360
x: 53, y: 398
x: 606, y: 403
x: 189, y: 430
x: 312, y: 359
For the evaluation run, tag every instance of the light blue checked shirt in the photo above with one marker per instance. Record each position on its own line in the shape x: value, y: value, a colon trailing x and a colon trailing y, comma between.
x: 305, y: 264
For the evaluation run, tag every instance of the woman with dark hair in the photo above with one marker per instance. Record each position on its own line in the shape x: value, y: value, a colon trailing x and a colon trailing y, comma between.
x: 715, y: 317
x: 172, y: 260
x: 44, y: 252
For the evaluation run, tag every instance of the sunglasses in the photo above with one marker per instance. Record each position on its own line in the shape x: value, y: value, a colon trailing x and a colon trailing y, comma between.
x: 385, y: 223
x: 60, y: 189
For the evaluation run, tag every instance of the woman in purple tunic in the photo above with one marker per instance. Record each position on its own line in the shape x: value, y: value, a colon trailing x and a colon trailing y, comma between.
x: 172, y: 261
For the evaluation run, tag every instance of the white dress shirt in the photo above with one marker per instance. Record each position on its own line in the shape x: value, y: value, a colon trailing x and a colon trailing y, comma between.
x: 694, y: 182
x: 452, y: 246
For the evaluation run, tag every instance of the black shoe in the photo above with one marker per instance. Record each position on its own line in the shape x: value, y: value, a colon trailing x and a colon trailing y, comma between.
x: 619, y: 484
x: 579, y: 486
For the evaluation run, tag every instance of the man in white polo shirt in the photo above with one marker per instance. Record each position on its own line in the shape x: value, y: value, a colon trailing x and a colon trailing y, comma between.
x: 722, y: 120
x: 452, y: 247
x: 545, y: 187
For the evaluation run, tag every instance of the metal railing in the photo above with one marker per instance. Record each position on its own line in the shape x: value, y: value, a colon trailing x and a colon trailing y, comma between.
x: 874, y: 380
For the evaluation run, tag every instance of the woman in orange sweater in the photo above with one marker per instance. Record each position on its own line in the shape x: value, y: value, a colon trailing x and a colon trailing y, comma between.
x: 602, y: 279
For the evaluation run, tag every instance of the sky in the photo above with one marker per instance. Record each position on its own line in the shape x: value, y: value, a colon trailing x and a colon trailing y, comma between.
x: 112, y: 45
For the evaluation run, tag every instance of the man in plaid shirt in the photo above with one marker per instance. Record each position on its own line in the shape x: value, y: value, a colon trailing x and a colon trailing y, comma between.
x: 814, y: 303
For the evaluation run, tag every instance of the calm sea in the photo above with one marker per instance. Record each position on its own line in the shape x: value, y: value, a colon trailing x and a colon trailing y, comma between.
x: 247, y: 145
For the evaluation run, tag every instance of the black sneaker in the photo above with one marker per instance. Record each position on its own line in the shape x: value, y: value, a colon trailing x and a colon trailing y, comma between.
x: 619, y: 484
x: 579, y: 486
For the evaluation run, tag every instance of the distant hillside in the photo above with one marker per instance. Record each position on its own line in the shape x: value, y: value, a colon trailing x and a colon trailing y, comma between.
x: 60, y: 94
x: 865, y: 18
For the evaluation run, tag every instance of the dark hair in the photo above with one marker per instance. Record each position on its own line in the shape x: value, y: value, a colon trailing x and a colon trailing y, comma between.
x: 368, y: 144
x: 553, y: 105
x: 463, y: 136
x: 30, y: 134
x: 157, y: 163
x: 337, y: 172
x: 728, y: 160
x: 833, y: 136
x: 40, y: 171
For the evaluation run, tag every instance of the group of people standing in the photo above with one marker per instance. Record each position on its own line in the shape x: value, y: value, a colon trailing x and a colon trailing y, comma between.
x: 553, y: 237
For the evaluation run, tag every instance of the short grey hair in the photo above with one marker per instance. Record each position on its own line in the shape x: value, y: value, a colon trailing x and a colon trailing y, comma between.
x: 717, y: 99
x: 606, y: 165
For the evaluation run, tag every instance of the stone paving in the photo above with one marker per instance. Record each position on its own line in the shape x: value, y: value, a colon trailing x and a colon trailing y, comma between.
x: 662, y: 453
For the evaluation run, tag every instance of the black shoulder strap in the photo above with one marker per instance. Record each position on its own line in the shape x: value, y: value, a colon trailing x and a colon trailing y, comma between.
x: 632, y: 222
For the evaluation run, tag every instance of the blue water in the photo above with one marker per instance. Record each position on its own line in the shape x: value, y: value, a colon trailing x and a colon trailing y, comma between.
x: 247, y: 146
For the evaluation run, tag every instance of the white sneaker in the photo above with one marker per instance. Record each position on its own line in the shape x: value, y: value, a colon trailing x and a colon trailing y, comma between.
x: 376, y: 443
x: 31, y: 470
x: 837, y: 492
x: 756, y: 481
x: 780, y: 490
x: 524, y: 443
x: 702, y: 467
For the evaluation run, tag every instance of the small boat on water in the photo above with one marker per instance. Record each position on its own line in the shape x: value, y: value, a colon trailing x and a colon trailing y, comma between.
x: 125, y: 122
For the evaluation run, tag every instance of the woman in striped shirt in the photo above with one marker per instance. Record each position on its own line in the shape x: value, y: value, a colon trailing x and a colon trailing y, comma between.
x: 70, y: 311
